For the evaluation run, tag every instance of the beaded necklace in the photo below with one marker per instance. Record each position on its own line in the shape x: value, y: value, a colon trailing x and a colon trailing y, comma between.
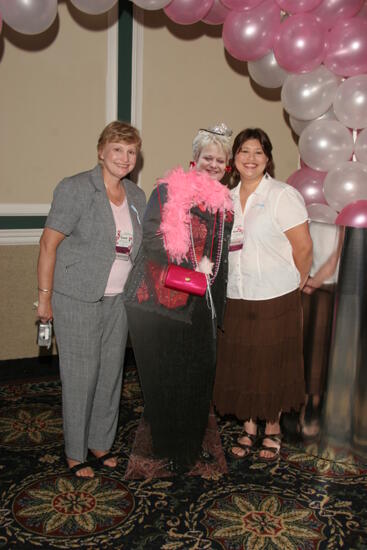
x: 218, y: 257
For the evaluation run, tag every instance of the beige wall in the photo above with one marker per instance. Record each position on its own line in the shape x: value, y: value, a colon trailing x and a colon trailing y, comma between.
x: 190, y: 82
x: 53, y: 106
x: 18, y: 291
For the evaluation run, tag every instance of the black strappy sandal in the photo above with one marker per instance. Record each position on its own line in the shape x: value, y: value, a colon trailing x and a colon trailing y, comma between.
x: 273, y: 449
x: 248, y: 448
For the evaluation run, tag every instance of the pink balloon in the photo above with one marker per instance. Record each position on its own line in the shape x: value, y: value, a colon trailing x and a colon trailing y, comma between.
x: 216, y: 14
x: 241, y: 4
x: 187, y: 12
x: 309, y: 183
x: 249, y: 35
x: 298, y: 6
x: 353, y: 215
x: 299, y: 44
x: 329, y: 12
x: 346, y: 49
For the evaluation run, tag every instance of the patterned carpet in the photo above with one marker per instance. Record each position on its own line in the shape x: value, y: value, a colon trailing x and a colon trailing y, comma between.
x: 307, y: 500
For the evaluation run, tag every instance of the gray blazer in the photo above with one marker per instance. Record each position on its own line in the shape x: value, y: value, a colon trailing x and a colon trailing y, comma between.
x: 81, y: 210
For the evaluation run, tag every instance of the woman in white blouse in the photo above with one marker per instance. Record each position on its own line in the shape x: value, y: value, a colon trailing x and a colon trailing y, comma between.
x: 260, y: 365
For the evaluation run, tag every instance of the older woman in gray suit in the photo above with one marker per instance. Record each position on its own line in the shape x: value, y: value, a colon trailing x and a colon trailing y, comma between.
x: 89, y: 244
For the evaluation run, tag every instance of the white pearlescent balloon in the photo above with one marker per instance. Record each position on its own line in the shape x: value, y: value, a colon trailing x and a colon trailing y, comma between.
x: 321, y: 213
x: 350, y: 102
x: 360, y: 148
x: 28, y: 16
x: 94, y: 7
x: 267, y: 72
x: 308, y: 96
x: 345, y: 184
x: 299, y: 125
x: 325, y: 143
x: 152, y: 4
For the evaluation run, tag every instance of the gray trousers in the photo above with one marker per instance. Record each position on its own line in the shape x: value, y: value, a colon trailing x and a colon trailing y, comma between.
x: 91, y: 339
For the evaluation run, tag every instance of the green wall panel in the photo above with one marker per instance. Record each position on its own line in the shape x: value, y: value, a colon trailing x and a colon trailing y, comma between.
x: 22, y: 222
x: 124, y: 56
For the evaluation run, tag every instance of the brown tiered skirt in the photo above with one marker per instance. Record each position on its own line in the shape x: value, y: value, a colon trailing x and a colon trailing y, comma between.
x: 259, y: 359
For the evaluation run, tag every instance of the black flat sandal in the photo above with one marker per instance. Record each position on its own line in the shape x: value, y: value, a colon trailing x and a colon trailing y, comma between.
x: 101, y: 460
x: 74, y: 469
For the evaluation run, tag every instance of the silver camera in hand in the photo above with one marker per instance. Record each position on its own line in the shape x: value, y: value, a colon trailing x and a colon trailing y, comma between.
x: 45, y: 335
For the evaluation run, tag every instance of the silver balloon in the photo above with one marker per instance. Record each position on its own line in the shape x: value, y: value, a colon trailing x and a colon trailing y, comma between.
x: 321, y: 213
x: 94, y: 7
x: 299, y: 125
x: 28, y: 16
x: 346, y: 183
x: 267, y: 72
x: 308, y: 96
x: 350, y: 102
x: 152, y: 4
x: 360, y: 148
x: 324, y: 144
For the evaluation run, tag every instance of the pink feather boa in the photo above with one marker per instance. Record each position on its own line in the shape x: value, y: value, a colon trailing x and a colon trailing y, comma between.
x: 184, y: 191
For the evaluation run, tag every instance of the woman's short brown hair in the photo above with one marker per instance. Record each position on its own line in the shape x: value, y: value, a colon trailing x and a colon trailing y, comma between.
x: 117, y: 131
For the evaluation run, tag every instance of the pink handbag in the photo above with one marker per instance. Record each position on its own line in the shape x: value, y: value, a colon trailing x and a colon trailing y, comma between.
x: 185, y: 280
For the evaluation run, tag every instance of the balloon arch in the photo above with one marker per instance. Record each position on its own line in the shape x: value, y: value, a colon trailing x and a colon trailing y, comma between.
x: 316, y: 50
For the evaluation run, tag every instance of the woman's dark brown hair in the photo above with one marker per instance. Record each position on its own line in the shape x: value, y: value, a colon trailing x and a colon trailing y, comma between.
x: 245, y: 135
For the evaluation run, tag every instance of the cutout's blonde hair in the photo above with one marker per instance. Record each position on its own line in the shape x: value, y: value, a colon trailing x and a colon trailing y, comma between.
x: 219, y: 134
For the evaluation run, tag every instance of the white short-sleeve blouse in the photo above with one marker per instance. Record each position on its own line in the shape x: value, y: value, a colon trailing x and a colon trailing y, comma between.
x: 261, y: 264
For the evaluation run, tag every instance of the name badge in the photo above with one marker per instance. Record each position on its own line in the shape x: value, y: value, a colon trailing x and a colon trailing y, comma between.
x: 124, y: 242
x: 237, y: 236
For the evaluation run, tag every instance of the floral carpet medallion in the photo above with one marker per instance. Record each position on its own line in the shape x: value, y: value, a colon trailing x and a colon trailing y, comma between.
x: 68, y: 506
x: 30, y: 426
x: 262, y: 522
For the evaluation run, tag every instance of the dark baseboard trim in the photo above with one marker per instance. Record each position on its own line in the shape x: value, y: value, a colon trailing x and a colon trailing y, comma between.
x: 44, y: 366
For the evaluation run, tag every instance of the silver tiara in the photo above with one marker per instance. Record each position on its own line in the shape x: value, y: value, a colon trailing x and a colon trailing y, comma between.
x: 220, y: 129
